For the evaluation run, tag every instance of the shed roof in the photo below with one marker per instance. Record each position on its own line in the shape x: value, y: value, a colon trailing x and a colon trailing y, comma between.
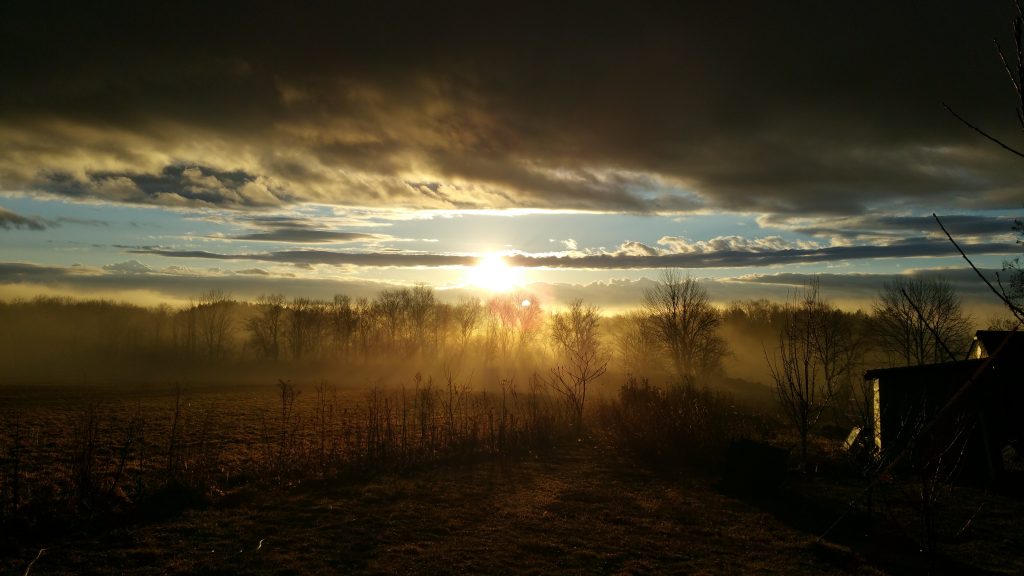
x: 991, y: 339
x: 944, y: 371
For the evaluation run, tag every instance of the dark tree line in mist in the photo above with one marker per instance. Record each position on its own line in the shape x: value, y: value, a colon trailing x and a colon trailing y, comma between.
x: 674, y: 334
x: 215, y: 329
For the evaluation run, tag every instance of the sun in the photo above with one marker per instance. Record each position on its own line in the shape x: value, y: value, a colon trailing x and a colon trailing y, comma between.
x: 493, y: 273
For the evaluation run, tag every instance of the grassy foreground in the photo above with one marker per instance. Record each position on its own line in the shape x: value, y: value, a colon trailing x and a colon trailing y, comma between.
x: 465, y: 493
x: 578, y: 509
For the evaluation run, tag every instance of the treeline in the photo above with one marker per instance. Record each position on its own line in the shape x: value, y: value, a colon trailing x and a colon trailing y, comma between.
x: 674, y: 333
x: 406, y: 324
x: 63, y: 338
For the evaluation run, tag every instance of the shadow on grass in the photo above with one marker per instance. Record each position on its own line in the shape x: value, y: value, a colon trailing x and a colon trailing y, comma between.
x: 851, y: 537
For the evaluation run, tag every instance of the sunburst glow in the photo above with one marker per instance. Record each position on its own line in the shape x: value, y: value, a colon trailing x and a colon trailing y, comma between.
x: 492, y: 272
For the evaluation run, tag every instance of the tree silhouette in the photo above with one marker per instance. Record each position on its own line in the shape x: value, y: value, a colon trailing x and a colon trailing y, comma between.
x: 1015, y: 267
x: 344, y: 324
x: 636, y: 347
x: 582, y: 358
x: 213, y: 321
x: 513, y: 322
x: 467, y: 314
x: 306, y: 327
x: 265, y: 326
x: 915, y: 317
x: 812, y: 360
x: 685, y: 323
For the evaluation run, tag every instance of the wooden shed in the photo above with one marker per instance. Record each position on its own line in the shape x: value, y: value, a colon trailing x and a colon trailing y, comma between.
x: 980, y: 399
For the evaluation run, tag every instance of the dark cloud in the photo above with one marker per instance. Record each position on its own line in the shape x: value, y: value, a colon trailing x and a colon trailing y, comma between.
x: 173, y: 185
x: 633, y: 258
x: 82, y: 221
x: 21, y: 272
x: 850, y: 291
x: 297, y: 229
x: 9, y: 220
x: 178, y: 283
x: 733, y: 258
x: 305, y: 236
x: 881, y: 226
x: 866, y: 286
x: 325, y: 257
x: 795, y: 108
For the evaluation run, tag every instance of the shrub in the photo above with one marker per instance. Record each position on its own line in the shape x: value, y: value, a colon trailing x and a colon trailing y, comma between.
x: 680, y: 424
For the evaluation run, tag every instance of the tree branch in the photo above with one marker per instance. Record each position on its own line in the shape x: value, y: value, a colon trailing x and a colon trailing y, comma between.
x: 982, y: 132
x: 920, y: 316
x: 1013, y: 307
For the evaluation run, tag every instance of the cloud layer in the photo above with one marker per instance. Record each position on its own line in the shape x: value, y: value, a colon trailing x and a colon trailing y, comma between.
x: 795, y: 109
x: 177, y: 284
x: 717, y: 253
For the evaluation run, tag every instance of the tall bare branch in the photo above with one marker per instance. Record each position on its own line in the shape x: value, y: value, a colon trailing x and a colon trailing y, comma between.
x: 1013, y: 307
x: 967, y: 123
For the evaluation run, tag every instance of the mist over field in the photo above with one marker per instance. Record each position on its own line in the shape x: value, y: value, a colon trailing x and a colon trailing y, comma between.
x: 387, y: 339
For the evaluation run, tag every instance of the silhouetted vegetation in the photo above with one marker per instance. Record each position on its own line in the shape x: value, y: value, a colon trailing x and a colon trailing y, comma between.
x: 813, y: 362
x: 921, y: 321
x: 580, y: 355
x: 685, y: 324
x: 678, y: 424
x: 1015, y: 268
x: 115, y: 457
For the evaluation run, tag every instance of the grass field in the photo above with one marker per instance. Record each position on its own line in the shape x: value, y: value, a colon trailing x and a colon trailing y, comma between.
x: 577, y: 510
x: 573, y: 506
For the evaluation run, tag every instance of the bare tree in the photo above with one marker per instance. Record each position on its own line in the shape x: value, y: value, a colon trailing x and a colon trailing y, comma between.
x: 513, y: 322
x: 583, y: 359
x: 501, y: 326
x: 529, y: 318
x: 811, y: 362
x: 418, y: 307
x: 366, y: 326
x: 265, y: 326
x: 917, y: 336
x: 213, y: 322
x: 468, y: 313
x: 685, y: 323
x: 1015, y: 267
x: 184, y: 331
x: 636, y: 347
x: 307, y: 325
x: 161, y: 316
x: 344, y: 317
x: 441, y: 322
x: 388, y: 310
x: 1003, y: 323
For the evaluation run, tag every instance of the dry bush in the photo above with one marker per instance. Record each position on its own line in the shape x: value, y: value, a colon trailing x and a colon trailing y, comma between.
x: 680, y: 424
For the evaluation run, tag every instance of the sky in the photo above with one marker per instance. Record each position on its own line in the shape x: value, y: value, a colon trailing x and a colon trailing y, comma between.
x: 153, y: 151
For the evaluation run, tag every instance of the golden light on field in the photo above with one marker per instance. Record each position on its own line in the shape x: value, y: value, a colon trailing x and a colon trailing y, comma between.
x: 493, y: 273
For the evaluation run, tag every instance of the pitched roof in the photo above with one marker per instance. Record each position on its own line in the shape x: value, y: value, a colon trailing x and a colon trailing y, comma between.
x: 943, y: 371
x: 1010, y: 362
x: 990, y: 340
